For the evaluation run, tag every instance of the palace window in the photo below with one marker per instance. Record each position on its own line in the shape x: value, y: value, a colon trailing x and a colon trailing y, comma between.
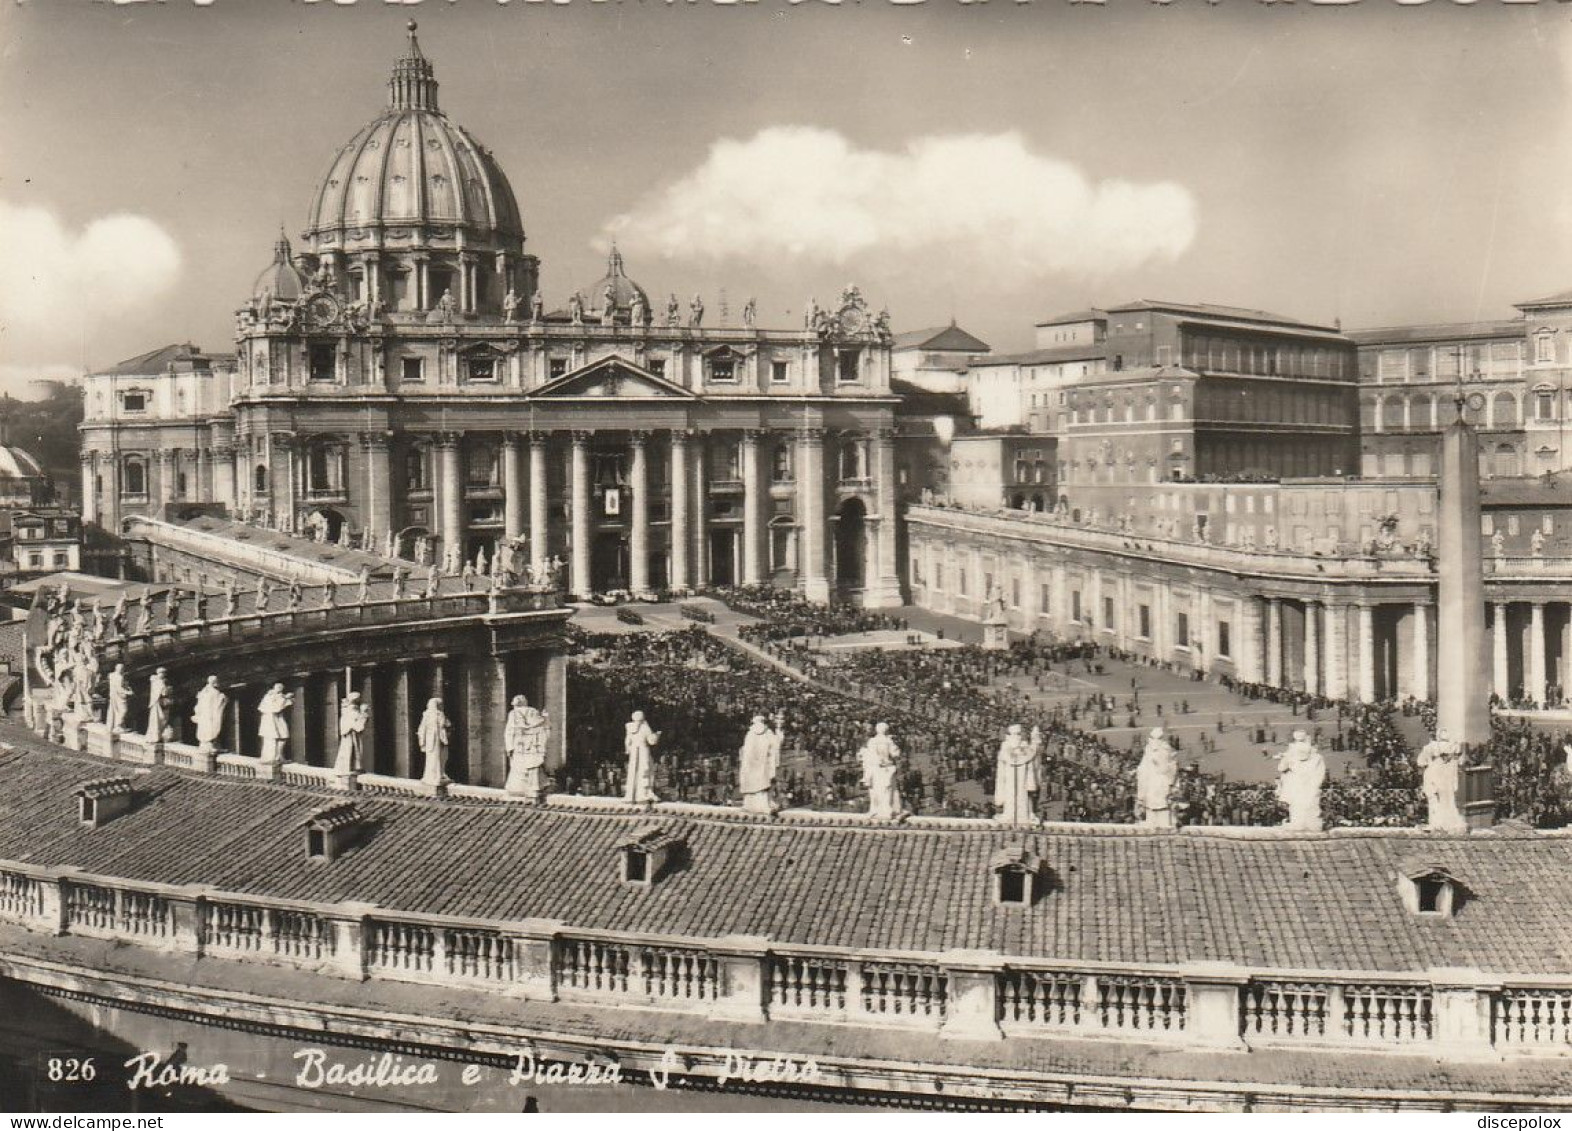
x: 1145, y: 631
x: 848, y: 367
x: 1075, y: 605
x: 134, y: 400
x: 259, y: 479
x: 778, y: 373
x: 324, y: 468
x: 1182, y: 630
x: 723, y: 367
x: 658, y: 366
x: 1223, y: 639
x: 1544, y: 347
x: 1042, y: 598
x: 412, y: 370
x: 557, y: 367
x: 481, y: 367
x: 853, y: 460
x: 1108, y: 614
x: 780, y: 463
x: 480, y: 465
x: 1544, y: 406
x: 133, y: 476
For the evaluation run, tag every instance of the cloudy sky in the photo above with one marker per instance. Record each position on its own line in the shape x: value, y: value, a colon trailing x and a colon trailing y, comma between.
x: 993, y: 162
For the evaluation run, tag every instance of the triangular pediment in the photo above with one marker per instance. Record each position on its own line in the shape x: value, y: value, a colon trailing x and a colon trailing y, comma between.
x: 610, y: 378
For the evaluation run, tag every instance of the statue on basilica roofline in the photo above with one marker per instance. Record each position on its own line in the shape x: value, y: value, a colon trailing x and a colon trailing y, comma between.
x: 576, y: 309
x: 759, y: 764
x: 881, y: 767
x: 608, y: 309
x: 510, y: 305
x: 273, y: 727
x: 1301, y: 771
x: 209, y: 714
x: 537, y: 307
x: 673, y: 311
x: 696, y: 311
x: 637, y: 741
x: 433, y: 735
x: 750, y: 313
x: 524, y: 741
x: 1154, y: 782
x: 641, y: 311
x: 1441, y: 759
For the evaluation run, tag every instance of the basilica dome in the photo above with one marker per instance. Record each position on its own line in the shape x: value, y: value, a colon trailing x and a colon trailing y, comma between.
x: 412, y: 168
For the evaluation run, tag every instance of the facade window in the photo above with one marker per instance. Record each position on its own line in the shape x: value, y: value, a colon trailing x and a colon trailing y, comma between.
x: 259, y: 480
x: 778, y: 373
x: 557, y: 367
x: 1544, y: 347
x: 62, y: 559
x: 1547, y: 524
x: 1182, y: 630
x: 35, y: 561
x: 323, y: 363
x: 133, y: 476
x: 1075, y: 605
x: 658, y: 366
x: 780, y: 463
x: 1042, y: 598
x: 480, y: 466
x: 133, y: 401
x: 938, y: 575
x: 1544, y: 406
x: 180, y: 485
x: 415, y: 470
x: 1015, y: 592
x: 1145, y: 622
x: 1487, y: 524
x: 853, y: 465
x: 1224, y: 642
x: 324, y: 469
x: 412, y: 370
x: 1108, y: 614
x: 848, y: 367
x: 482, y: 367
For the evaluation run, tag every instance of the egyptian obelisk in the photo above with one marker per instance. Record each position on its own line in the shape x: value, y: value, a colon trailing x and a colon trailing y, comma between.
x: 1462, y: 660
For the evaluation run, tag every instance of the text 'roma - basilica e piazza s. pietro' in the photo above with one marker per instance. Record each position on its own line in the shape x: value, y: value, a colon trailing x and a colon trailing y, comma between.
x: 471, y: 677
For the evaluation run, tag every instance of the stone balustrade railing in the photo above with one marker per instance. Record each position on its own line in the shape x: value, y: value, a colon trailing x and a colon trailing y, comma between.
x: 977, y: 995
x: 313, y: 616
x: 274, y: 561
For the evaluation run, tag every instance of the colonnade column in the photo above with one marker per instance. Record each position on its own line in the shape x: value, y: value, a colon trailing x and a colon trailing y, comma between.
x: 538, y: 516
x: 810, y: 503
x: 486, y: 709
x: 367, y: 686
x: 513, y: 497
x: 399, y: 720
x: 450, y: 485
x: 639, y: 532
x: 701, y: 513
x: 1248, y: 663
x: 1366, y: 654
x: 1312, y: 648
x: 1419, y: 683
x: 752, y: 507
x: 1274, y: 641
x: 298, y: 748
x: 1336, y: 651
x: 331, y: 700
x: 1498, y: 650
x: 1534, y: 668
x: 681, y: 491
x: 579, y: 583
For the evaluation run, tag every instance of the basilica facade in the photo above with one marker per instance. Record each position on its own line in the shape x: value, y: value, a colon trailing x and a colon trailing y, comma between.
x: 401, y: 383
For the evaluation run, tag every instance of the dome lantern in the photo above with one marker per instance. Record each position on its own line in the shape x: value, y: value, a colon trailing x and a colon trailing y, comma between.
x: 413, y: 85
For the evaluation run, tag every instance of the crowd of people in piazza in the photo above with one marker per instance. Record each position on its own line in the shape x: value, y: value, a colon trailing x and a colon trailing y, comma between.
x: 891, y: 731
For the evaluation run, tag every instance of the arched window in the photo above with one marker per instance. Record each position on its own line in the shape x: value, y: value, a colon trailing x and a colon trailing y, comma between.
x: 1392, y: 413
x: 480, y: 465
x: 133, y: 476
x: 852, y: 463
x: 260, y: 479
x: 1544, y: 347
x: 780, y: 463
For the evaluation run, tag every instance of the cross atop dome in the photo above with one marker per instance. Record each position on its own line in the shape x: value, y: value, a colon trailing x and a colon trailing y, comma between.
x: 413, y: 85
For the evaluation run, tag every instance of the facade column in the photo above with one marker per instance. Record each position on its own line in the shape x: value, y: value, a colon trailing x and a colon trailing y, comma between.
x: 1366, y: 633
x: 883, y: 585
x: 681, y: 491
x: 486, y: 711
x: 1498, y: 649
x: 237, y: 733
x: 556, y: 707
x: 450, y: 506
x: 579, y: 585
x: 1274, y: 641
x: 639, y: 524
x: 1336, y: 651
x: 810, y: 503
x: 1419, y: 680
x: 378, y: 512
x: 399, y: 719
x: 701, y: 511
x: 513, y: 497
x: 332, y: 689
x: 1534, y: 662
x: 89, y: 487
x: 224, y: 476
x: 539, y: 515
x: 752, y: 507
x: 164, y: 463
x: 1312, y: 648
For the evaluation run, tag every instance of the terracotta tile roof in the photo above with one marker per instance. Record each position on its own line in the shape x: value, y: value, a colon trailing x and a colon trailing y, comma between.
x: 951, y: 338
x: 1437, y: 332
x: 1327, y: 902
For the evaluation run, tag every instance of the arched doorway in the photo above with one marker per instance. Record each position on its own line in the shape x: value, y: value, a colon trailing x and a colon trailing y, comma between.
x: 407, y: 540
x: 324, y: 524
x: 850, y: 543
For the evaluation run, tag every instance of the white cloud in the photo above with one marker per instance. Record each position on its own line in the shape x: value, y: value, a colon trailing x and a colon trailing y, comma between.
x: 810, y: 195
x: 60, y: 289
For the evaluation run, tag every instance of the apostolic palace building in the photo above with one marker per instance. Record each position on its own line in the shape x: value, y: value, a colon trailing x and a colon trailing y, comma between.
x: 399, y: 377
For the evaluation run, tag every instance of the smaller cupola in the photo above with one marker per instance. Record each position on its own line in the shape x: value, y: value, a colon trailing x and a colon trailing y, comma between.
x: 645, y: 853
x: 1431, y: 889
x: 101, y: 801
x: 333, y: 830
x: 1017, y: 876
